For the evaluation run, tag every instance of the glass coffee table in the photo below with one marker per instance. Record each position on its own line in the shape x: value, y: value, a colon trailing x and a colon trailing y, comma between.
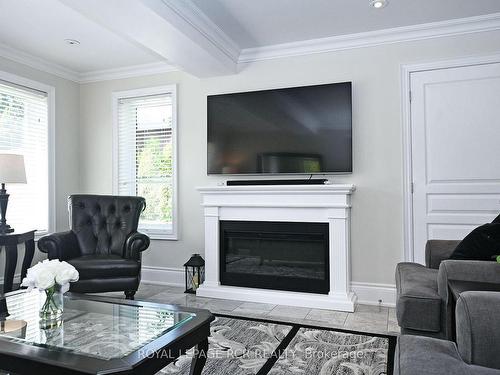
x: 100, y: 335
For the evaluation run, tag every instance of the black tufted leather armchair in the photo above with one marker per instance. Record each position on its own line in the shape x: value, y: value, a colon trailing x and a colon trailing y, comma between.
x: 103, y: 243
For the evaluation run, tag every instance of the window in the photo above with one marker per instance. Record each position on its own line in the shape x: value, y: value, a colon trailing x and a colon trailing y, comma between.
x: 145, y: 162
x: 24, y: 129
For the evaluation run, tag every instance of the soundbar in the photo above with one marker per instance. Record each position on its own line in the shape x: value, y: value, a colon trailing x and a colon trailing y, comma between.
x: 312, y: 181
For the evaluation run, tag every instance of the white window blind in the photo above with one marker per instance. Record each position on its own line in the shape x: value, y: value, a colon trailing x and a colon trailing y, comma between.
x: 24, y: 130
x: 146, y: 158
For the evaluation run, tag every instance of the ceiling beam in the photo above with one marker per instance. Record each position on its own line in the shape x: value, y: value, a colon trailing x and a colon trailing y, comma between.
x: 171, y: 29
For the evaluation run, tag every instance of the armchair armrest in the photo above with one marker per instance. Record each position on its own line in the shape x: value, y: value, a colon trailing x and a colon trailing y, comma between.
x: 62, y: 246
x: 135, y: 244
x: 478, y: 328
x: 438, y: 250
x: 468, y: 270
x: 464, y: 270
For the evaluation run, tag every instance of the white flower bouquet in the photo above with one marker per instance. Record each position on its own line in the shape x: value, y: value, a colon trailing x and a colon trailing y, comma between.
x: 53, y: 278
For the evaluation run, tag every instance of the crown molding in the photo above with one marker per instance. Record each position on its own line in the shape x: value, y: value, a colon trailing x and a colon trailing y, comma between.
x: 193, y: 15
x: 461, y: 26
x: 37, y: 63
x: 46, y: 66
x: 126, y: 72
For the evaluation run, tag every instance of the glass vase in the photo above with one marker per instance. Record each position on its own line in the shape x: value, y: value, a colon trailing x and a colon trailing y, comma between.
x: 51, y: 304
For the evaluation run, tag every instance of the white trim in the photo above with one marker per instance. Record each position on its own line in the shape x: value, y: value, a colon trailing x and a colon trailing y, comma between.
x: 406, y: 71
x: 163, y: 276
x: 126, y: 72
x: 37, y: 63
x: 194, y: 16
x: 371, y: 293
x: 116, y: 95
x: 199, y: 21
x: 51, y: 149
x: 368, y: 293
x: 461, y: 26
x: 84, y: 77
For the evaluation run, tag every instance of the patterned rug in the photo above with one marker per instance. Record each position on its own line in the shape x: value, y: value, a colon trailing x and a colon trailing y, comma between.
x: 241, y: 346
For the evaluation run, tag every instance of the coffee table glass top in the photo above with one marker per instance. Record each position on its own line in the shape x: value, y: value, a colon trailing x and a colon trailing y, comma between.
x: 90, y: 328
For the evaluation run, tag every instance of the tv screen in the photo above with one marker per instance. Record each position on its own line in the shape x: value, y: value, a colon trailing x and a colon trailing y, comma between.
x: 303, y: 130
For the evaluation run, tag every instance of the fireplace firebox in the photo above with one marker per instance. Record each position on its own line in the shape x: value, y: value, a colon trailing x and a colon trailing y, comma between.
x: 289, y: 256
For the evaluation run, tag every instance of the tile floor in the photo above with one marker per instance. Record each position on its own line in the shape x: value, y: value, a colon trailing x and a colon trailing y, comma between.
x: 376, y: 319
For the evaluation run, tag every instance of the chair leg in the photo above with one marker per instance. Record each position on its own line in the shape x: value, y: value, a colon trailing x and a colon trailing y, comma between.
x: 129, y: 294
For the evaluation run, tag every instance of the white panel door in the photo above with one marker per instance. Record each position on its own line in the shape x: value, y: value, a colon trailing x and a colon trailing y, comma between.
x: 455, y: 130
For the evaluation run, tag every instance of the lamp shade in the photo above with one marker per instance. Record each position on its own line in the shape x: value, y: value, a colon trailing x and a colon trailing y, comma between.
x: 12, y: 169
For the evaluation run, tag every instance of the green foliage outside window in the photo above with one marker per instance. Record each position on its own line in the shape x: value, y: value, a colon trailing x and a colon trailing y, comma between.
x: 154, y: 174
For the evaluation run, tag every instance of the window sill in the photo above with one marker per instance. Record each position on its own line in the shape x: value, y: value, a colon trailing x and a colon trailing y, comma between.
x: 159, y: 237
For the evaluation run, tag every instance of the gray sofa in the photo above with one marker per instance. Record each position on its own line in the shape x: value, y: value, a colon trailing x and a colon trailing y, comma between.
x: 422, y: 305
x: 476, y: 350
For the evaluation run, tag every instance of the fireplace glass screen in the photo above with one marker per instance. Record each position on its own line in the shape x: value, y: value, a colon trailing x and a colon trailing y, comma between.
x: 275, y: 255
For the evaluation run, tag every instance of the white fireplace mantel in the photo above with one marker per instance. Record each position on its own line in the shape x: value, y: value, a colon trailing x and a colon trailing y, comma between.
x: 287, y: 203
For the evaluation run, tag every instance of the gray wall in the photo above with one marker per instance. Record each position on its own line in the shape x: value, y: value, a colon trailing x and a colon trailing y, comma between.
x: 377, y: 216
x: 84, y: 139
x: 67, y: 117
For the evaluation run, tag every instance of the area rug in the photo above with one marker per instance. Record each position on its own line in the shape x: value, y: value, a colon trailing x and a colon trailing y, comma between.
x: 244, y: 346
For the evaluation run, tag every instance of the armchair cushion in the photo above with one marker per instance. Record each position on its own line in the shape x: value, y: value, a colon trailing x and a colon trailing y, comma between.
x: 418, y: 305
x: 104, y: 266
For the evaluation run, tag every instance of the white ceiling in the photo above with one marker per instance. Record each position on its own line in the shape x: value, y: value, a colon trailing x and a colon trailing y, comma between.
x: 256, y: 23
x: 39, y: 27
x: 203, y: 37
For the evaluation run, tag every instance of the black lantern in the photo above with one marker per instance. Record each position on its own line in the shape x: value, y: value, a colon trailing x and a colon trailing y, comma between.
x: 195, y: 273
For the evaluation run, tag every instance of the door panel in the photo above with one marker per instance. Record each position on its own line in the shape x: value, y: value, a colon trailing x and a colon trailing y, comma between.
x: 455, y: 151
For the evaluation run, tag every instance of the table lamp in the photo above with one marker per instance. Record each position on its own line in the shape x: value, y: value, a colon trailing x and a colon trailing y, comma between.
x: 11, y: 171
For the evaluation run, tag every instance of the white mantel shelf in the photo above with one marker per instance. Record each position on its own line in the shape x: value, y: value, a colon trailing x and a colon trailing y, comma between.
x: 286, y: 203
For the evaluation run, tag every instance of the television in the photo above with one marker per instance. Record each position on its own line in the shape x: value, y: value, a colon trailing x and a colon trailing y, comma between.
x: 299, y: 130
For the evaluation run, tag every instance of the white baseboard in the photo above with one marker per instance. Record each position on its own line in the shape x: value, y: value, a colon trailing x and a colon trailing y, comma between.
x: 368, y: 293
x: 162, y: 276
x: 372, y: 293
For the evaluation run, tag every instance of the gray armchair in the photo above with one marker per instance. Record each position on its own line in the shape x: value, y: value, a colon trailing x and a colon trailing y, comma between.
x: 423, y: 306
x: 476, y: 350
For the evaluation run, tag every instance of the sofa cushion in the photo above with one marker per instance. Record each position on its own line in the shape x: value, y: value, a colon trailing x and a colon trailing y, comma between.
x: 104, y: 266
x: 418, y: 304
x: 478, y: 328
x: 418, y: 355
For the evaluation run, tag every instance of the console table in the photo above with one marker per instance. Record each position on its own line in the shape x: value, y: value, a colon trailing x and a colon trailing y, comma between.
x: 10, y: 241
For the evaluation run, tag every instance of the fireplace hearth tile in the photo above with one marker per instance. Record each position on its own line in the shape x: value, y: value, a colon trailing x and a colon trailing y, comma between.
x: 257, y: 307
x: 222, y: 305
x: 335, y: 318
x: 289, y: 312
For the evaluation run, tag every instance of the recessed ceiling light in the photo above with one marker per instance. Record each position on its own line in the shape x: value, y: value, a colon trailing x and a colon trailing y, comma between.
x: 72, y: 42
x: 378, y: 4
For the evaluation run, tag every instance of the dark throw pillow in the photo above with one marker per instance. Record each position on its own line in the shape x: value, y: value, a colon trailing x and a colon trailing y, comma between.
x: 483, y: 243
x: 496, y: 220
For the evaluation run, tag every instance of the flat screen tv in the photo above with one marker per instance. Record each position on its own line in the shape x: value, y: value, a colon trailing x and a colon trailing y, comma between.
x: 304, y: 130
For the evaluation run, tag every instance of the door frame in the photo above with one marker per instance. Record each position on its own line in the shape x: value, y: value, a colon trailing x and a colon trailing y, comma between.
x: 406, y: 71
